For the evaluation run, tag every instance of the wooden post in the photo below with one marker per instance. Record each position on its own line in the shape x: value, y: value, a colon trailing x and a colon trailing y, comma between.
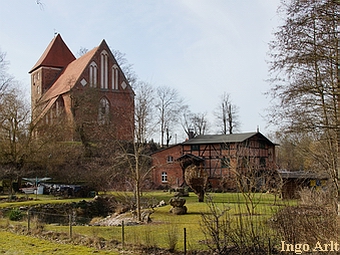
x: 28, y: 220
x: 123, y: 235
x: 185, y: 241
x: 70, y: 224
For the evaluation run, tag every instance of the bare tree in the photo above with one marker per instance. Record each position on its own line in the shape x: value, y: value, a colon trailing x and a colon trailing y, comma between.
x: 126, y: 67
x: 14, y: 134
x: 144, y: 112
x: 194, y: 123
x: 200, y: 123
x: 304, y: 75
x: 169, y: 106
x: 227, y: 115
x: 82, y: 51
x: 135, y: 157
x: 5, y: 79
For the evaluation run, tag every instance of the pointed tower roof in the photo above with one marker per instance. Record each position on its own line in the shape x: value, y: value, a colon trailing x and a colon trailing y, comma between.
x: 57, y: 54
x: 67, y: 80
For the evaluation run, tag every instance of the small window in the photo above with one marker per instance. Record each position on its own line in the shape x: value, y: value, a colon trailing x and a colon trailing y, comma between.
x: 195, y: 147
x: 164, y: 177
x: 170, y: 159
x: 262, y: 162
x: 262, y: 145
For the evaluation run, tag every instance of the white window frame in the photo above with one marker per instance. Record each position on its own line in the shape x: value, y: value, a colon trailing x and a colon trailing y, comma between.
x: 164, y: 177
x: 170, y: 159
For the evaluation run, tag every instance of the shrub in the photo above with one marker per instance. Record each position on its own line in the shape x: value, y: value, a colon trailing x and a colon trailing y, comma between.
x: 298, y: 224
x: 15, y: 214
x: 314, y: 219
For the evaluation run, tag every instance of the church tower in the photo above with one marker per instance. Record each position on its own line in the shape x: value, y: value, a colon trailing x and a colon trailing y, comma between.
x: 48, y: 68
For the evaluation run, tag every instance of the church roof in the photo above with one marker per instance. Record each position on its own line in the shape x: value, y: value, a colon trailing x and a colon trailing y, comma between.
x: 57, y: 54
x: 67, y: 80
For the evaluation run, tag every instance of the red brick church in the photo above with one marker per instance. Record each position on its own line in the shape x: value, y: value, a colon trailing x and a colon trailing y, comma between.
x: 90, y: 91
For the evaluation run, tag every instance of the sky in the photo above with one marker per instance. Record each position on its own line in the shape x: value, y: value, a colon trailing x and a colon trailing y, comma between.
x: 202, y: 48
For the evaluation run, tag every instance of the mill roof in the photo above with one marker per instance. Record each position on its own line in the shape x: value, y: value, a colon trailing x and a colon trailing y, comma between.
x: 229, y: 138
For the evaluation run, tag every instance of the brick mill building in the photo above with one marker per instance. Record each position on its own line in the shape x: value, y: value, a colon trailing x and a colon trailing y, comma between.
x: 87, y: 91
x: 221, y: 156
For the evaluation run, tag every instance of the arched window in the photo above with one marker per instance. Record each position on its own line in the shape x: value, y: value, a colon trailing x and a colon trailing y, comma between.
x: 115, y: 77
x: 93, y: 74
x: 104, y: 69
x: 103, y: 111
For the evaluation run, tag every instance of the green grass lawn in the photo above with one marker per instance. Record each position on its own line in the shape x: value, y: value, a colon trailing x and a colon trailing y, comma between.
x: 35, y: 200
x: 26, y: 245
x: 165, y: 226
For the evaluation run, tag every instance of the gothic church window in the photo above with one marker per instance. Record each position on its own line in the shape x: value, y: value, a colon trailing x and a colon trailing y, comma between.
x: 103, y: 111
x: 115, y: 77
x: 104, y: 69
x: 93, y: 74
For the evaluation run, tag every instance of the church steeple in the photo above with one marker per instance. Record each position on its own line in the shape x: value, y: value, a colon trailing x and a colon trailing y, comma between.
x: 57, y: 55
x: 48, y: 68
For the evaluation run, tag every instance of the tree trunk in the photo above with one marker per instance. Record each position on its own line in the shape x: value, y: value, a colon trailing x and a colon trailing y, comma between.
x: 137, y: 187
x: 201, y: 196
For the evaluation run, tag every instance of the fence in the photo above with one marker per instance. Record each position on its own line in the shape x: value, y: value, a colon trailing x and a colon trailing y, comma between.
x: 169, y: 235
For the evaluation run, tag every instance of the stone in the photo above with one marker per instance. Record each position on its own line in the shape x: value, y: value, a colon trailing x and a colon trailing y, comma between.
x: 178, y: 207
x: 179, y: 210
x: 177, y: 201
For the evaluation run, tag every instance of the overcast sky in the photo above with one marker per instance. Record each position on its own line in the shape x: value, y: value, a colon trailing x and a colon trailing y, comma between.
x: 202, y: 48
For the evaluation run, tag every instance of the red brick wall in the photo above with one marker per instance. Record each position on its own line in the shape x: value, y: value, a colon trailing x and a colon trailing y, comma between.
x: 173, y: 169
x: 121, y: 100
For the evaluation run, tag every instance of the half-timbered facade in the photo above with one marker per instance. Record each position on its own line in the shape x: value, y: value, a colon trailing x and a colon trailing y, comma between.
x: 223, y: 157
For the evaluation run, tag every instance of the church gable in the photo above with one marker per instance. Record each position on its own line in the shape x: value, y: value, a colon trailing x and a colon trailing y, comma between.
x: 104, y: 73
